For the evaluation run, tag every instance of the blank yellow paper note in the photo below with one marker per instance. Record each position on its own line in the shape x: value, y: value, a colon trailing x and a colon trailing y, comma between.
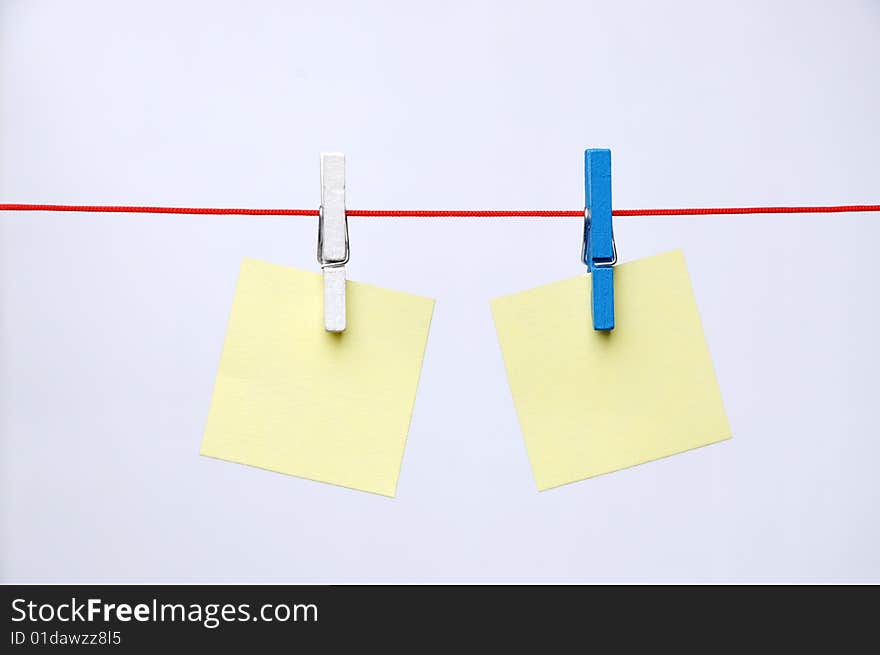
x: 591, y: 402
x: 293, y: 398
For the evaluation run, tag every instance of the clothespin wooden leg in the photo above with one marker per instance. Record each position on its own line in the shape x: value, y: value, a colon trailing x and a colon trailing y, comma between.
x: 334, y: 298
x: 333, y: 249
x: 600, y: 252
x: 603, y: 298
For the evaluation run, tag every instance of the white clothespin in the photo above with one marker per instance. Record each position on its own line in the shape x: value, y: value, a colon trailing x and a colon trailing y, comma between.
x: 333, y: 239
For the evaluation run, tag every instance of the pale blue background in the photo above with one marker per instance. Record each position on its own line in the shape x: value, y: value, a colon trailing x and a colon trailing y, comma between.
x: 112, y: 326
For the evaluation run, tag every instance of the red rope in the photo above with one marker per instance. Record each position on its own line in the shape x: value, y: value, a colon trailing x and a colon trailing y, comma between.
x: 138, y: 209
x: 438, y: 213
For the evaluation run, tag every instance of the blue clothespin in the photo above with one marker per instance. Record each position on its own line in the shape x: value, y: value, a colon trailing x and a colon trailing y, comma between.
x: 600, y: 252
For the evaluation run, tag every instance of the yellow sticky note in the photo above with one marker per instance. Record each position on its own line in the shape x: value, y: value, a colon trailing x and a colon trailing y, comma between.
x: 293, y: 398
x: 594, y: 402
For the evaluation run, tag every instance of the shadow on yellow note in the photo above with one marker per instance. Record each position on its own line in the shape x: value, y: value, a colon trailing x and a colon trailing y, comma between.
x: 293, y: 398
x: 591, y: 402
